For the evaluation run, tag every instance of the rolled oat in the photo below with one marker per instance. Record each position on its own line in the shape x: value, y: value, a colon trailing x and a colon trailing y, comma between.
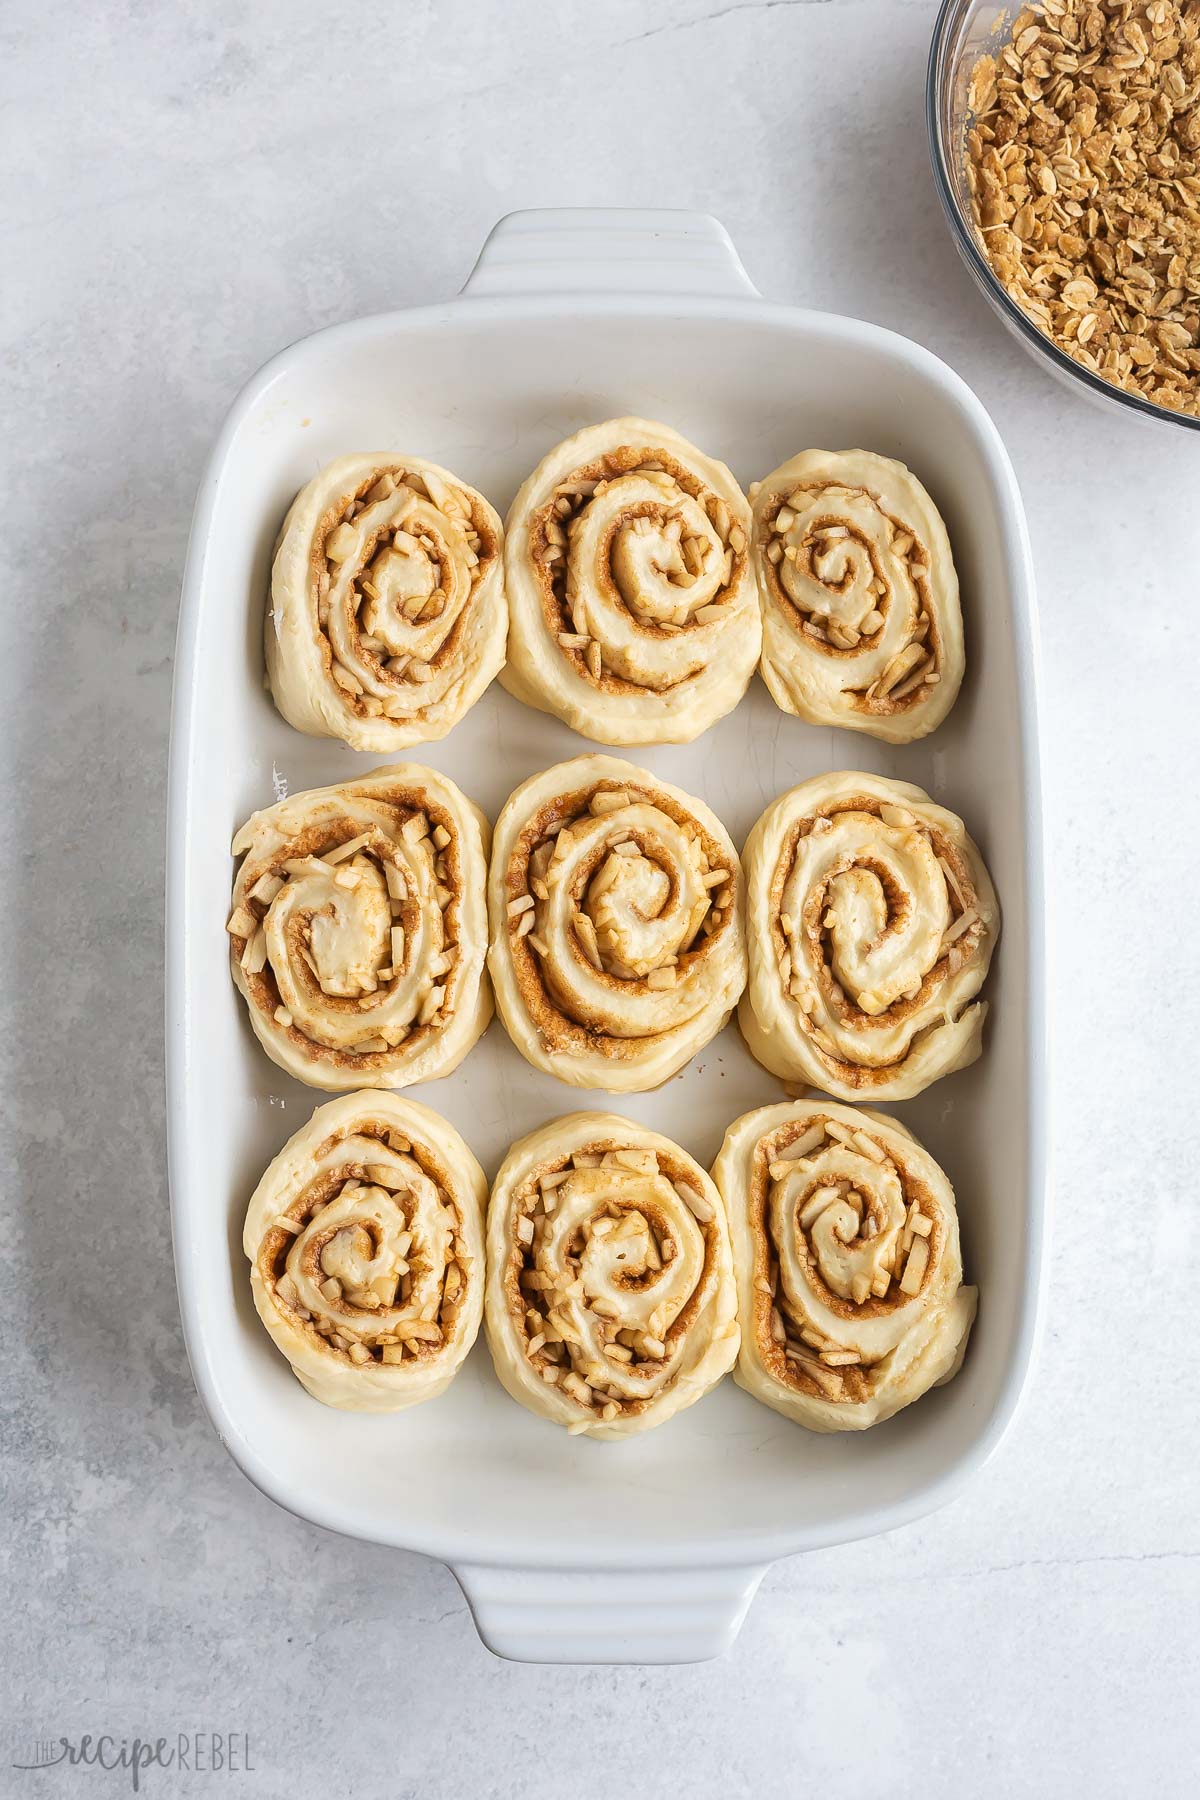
x: 1082, y: 161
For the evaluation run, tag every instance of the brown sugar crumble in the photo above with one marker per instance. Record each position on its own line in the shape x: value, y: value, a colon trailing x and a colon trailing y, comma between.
x: 1082, y: 161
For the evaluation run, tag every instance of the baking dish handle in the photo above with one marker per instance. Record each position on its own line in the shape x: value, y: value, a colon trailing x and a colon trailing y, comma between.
x: 609, y: 250
x: 613, y: 1616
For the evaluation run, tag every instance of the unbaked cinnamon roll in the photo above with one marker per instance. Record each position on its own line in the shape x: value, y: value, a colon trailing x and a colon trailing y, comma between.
x: 618, y: 946
x: 634, y: 610
x: 366, y: 1250
x: 610, y: 1294
x: 861, y: 620
x: 359, y: 929
x: 871, y: 924
x: 845, y: 1240
x: 387, y: 616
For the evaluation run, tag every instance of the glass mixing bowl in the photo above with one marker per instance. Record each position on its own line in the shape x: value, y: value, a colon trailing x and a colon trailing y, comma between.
x: 966, y: 30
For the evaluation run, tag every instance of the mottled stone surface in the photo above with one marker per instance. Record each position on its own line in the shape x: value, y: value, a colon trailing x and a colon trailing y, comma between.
x: 185, y: 189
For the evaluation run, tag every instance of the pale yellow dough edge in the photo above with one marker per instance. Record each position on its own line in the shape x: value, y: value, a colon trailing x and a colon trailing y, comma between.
x: 302, y: 689
x: 326, y: 1373
x: 935, y: 1352
x: 809, y: 683
x: 770, y: 1021
x: 726, y: 976
x: 446, y: 1049
x: 537, y: 672
x: 713, y: 1346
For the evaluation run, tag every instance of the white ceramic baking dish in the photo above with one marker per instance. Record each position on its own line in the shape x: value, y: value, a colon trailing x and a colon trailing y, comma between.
x: 646, y: 1551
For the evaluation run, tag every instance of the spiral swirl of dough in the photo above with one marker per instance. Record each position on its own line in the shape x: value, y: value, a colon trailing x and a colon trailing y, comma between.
x: 366, y: 1250
x: 861, y: 618
x: 845, y: 1236
x: 610, y: 1301
x: 387, y: 618
x: 616, y: 921
x: 359, y: 931
x: 634, y: 611
x: 871, y: 924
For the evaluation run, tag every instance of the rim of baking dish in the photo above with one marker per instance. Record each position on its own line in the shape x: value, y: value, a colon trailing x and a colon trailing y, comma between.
x: 444, y: 1540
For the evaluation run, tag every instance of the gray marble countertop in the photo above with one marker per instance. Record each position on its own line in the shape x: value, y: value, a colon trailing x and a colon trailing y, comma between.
x: 185, y: 189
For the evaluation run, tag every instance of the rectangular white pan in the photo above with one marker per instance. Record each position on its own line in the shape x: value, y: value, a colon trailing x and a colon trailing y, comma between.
x: 570, y: 1550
